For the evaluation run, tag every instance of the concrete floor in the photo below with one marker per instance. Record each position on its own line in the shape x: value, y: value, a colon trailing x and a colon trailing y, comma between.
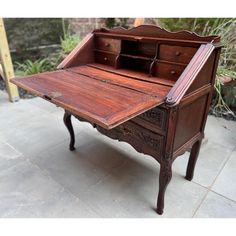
x: 40, y: 177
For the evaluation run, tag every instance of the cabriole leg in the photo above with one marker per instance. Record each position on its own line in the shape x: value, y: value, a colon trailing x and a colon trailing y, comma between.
x: 164, y: 179
x: 192, y: 160
x: 68, y: 124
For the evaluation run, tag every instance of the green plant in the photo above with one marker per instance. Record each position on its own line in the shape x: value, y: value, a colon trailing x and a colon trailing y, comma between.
x: 220, y: 106
x: 69, y: 42
x: 114, y: 22
x: 32, y: 67
x: 226, y: 95
x: 110, y: 22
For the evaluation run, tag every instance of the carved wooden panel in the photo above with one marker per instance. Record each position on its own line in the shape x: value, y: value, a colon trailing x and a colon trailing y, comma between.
x: 143, y: 140
x: 156, y: 118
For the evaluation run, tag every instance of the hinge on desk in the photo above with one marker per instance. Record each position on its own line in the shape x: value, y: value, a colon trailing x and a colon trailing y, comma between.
x: 55, y: 94
x: 52, y: 95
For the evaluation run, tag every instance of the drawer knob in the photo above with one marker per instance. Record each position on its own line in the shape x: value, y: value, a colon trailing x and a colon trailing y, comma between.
x: 173, y: 72
x: 107, y: 44
x: 105, y: 59
x: 177, y: 53
x: 126, y: 131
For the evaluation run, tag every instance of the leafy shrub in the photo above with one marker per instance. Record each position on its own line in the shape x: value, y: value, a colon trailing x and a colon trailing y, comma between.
x: 69, y: 42
x: 33, y: 67
x: 114, y: 22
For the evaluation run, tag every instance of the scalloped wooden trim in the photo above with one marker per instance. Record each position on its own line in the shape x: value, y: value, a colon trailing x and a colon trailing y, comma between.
x: 155, y: 31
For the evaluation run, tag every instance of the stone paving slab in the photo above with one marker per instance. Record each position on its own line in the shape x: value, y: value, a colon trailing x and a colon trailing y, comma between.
x: 226, y: 181
x: 40, y: 177
x: 216, y: 206
x: 25, y: 191
x: 211, y: 160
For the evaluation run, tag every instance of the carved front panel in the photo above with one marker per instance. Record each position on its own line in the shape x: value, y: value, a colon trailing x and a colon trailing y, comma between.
x: 143, y: 140
x: 156, y: 117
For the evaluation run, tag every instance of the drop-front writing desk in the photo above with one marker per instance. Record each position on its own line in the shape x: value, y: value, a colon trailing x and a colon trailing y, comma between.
x: 145, y: 86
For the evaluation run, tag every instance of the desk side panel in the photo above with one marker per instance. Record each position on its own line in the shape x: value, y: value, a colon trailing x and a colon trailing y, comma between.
x: 204, y: 77
x: 194, y: 107
x: 190, y: 119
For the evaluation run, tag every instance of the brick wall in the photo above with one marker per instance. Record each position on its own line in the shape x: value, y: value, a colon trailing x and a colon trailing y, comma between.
x: 85, y: 25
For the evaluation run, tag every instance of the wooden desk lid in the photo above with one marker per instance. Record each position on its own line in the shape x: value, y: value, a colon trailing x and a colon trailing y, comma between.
x: 100, y: 99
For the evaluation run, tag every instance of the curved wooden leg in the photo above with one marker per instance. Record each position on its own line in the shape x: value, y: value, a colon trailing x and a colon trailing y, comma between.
x: 192, y: 160
x: 68, y: 124
x: 164, y: 179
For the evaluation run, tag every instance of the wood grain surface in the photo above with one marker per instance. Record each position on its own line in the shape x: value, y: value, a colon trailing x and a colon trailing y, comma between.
x: 92, y: 97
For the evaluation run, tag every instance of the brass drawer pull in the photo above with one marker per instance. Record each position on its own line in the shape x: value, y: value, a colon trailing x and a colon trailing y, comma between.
x: 173, y: 72
x: 107, y: 44
x: 47, y: 97
x: 105, y: 59
x: 177, y: 53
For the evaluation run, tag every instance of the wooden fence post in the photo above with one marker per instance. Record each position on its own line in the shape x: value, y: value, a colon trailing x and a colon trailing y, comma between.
x: 6, y: 62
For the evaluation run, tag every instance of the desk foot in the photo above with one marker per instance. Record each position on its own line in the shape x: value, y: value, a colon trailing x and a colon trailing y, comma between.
x: 159, y: 211
x: 68, y: 124
x: 192, y: 160
x: 164, y: 179
x: 72, y: 148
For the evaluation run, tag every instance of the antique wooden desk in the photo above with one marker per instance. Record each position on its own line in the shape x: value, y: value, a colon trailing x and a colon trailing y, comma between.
x: 145, y: 86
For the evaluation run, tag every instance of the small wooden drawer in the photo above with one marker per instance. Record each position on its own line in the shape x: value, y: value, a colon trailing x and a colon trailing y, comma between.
x: 154, y: 119
x: 105, y: 58
x: 168, y: 70
x: 143, y: 140
x: 176, y: 53
x: 108, y: 44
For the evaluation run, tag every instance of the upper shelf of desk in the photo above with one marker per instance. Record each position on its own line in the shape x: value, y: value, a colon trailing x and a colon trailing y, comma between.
x: 115, y: 75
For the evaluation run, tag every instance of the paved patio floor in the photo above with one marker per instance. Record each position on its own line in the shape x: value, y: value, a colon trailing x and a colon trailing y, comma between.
x: 40, y: 177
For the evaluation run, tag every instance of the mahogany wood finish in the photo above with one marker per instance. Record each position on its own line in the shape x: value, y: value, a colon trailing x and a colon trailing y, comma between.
x: 192, y: 160
x: 146, y: 86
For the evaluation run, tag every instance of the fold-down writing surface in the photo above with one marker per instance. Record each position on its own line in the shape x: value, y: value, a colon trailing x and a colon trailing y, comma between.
x: 148, y: 87
x: 103, y: 103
